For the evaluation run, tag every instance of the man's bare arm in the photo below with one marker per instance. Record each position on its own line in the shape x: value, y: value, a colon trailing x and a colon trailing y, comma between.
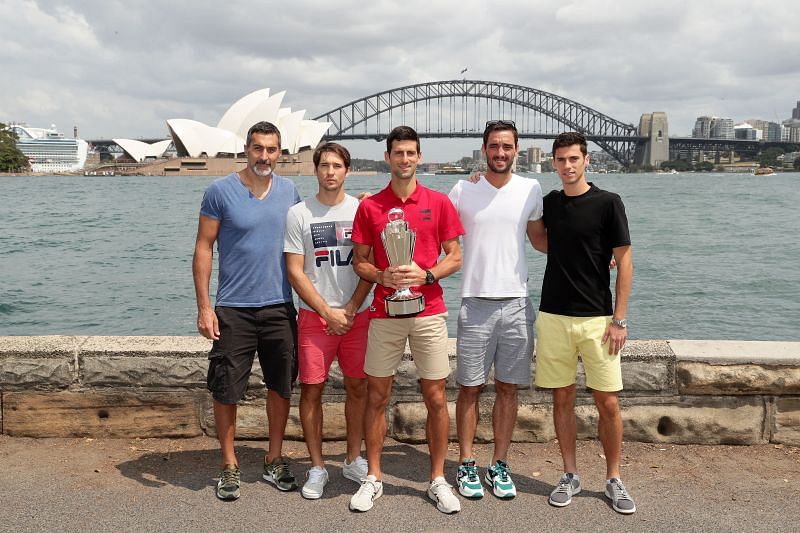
x: 537, y: 234
x: 207, y: 232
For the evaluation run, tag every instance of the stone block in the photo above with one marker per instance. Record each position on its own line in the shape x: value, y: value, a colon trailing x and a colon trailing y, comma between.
x: 696, y: 420
x: 147, y: 372
x: 696, y: 377
x: 251, y: 421
x: 786, y: 421
x: 406, y: 422
x: 44, y: 346
x: 101, y: 414
x: 17, y: 373
x: 155, y: 346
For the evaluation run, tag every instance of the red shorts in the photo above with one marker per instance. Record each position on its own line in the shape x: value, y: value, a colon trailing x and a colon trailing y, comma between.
x: 316, y: 350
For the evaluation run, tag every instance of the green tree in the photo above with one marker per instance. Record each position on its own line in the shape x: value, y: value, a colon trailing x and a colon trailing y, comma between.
x: 797, y: 163
x: 11, y: 159
x: 680, y: 165
x: 769, y: 157
x: 704, y: 166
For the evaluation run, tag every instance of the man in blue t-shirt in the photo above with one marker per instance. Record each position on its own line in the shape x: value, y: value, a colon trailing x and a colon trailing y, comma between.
x: 245, y: 214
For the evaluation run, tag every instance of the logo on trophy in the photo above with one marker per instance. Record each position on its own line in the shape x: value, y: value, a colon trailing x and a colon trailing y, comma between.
x: 398, y: 241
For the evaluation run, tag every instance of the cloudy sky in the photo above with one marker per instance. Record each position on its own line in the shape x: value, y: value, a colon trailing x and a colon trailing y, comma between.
x: 120, y: 69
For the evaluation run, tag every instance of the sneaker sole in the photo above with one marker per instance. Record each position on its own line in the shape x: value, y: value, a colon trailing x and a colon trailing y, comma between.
x: 471, y: 495
x: 274, y: 481
x: 371, y: 504
x: 433, y: 497
x: 559, y: 504
x: 502, y: 496
x: 617, y: 509
x: 311, y: 496
x: 230, y: 498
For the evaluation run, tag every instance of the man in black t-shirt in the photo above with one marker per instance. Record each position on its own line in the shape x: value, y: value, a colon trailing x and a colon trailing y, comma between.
x: 585, y: 227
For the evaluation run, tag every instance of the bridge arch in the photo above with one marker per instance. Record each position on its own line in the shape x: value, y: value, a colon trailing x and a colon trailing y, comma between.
x: 469, y: 104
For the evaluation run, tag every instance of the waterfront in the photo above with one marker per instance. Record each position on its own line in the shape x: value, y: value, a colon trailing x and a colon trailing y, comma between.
x: 715, y: 254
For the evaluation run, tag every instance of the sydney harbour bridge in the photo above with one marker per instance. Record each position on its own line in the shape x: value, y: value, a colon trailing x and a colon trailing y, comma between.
x: 460, y: 108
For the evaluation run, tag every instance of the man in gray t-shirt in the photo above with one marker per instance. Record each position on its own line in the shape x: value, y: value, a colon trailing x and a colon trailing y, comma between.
x: 333, y: 321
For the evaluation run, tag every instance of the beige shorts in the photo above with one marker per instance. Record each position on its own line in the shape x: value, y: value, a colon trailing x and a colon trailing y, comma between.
x: 427, y: 338
x: 559, y: 340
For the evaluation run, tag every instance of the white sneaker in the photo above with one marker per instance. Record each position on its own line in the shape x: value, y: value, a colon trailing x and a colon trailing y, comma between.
x: 371, y: 489
x: 441, y: 492
x: 316, y: 479
x: 357, y: 470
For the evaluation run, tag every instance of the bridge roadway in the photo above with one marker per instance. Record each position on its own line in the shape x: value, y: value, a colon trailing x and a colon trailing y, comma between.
x: 166, y: 485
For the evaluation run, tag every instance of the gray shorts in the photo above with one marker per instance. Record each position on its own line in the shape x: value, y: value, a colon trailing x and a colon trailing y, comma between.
x: 495, y: 331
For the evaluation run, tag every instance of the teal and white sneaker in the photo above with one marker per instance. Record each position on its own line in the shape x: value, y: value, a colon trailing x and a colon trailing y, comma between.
x: 468, y: 481
x: 498, y: 477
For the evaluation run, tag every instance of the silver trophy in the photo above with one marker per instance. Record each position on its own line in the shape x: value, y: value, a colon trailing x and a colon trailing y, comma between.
x: 398, y: 241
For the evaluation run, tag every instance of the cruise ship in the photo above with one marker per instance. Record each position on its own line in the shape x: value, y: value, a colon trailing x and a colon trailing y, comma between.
x: 48, y: 150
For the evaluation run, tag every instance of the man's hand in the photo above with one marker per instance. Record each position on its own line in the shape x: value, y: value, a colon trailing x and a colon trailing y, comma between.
x: 475, y: 178
x: 363, y: 195
x: 403, y: 276
x: 615, y: 336
x: 207, y: 324
x: 337, y: 322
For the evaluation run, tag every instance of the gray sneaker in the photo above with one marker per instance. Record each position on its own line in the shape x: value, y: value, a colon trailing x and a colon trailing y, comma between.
x: 278, y: 472
x: 568, y: 486
x: 228, y: 485
x: 621, y: 501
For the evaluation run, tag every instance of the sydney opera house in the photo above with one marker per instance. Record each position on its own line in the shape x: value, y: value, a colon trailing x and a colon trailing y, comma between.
x: 216, y: 150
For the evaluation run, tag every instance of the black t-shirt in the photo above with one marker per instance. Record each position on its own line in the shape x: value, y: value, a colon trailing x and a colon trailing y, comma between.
x: 581, y: 232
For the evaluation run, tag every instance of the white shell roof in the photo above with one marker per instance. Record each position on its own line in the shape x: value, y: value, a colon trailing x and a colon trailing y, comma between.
x: 139, y: 150
x: 231, y: 131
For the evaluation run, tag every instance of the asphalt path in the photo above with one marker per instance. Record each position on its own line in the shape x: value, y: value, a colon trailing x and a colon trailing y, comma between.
x: 168, y: 485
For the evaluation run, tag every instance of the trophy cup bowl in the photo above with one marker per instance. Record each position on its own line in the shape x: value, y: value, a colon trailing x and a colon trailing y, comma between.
x: 398, y: 241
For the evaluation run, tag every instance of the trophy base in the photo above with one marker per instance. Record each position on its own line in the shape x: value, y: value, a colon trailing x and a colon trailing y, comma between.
x: 405, y: 307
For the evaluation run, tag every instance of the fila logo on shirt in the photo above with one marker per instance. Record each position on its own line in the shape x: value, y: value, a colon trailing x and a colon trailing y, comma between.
x: 327, y: 236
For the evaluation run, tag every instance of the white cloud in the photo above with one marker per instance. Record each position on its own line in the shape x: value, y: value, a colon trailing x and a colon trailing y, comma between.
x: 120, y: 69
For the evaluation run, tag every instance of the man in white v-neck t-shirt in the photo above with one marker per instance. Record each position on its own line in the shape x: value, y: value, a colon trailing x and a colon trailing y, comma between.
x: 495, y: 322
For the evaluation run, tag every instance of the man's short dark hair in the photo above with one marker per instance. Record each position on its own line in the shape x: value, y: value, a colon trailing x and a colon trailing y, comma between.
x: 401, y: 133
x: 568, y: 138
x: 334, y: 148
x: 500, y: 125
x: 265, y: 128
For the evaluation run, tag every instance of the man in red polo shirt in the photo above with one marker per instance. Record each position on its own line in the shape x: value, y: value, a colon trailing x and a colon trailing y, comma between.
x: 434, y: 219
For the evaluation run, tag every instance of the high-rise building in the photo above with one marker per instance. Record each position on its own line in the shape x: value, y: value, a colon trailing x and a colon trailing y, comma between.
x: 796, y: 111
x: 534, y: 155
x: 702, y: 128
x: 722, y: 128
x: 477, y: 155
x: 746, y: 132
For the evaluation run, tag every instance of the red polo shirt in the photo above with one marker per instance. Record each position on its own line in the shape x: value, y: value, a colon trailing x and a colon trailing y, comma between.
x: 431, y: 215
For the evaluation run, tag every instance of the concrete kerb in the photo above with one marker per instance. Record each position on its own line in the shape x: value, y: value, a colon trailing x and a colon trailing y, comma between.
x: 677, y: 391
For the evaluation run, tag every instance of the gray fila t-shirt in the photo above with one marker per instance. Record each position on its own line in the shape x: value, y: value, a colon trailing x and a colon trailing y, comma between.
x: 321, y: 233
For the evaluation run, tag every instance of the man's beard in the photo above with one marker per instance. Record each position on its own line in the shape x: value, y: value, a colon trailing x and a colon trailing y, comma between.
x: 261, y: 173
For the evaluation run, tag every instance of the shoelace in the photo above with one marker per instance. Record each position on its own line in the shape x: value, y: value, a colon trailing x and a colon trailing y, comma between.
x: 369, y: 488
x: 472, y: 472
x: 281, y: 470
x: 316, y: 475
x: 502, y: 472
x: 620, y: 491
x: 438, y: 486
x: 564, y: 486
x: 229, y: 477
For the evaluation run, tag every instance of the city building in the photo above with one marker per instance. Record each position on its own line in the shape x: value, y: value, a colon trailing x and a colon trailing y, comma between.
x: 722, y: 128
x: 747, y: 132
x: 702, y: 128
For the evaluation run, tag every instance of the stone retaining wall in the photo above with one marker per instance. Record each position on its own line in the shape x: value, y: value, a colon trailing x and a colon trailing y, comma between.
x: 706, y: 392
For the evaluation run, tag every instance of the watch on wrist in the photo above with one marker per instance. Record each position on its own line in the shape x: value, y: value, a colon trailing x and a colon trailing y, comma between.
x: 620, y: 323
x: 429, y: 277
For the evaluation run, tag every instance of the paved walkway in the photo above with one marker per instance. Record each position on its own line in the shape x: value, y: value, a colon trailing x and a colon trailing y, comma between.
x: 167, y: 485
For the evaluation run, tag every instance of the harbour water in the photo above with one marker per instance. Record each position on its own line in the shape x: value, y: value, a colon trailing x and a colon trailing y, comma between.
x: 716, y: 255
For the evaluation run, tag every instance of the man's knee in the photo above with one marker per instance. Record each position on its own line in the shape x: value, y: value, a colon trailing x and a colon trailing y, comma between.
x: 434, y: 394
x: 505, y: 390
x: 469, y: 393
x: 564, y: 397
x: 607, y: 404
x: 356, y: 389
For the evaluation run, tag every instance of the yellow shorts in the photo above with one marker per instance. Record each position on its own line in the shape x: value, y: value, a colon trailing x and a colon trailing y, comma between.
x: 559, y: 340
x: 427, y: 338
